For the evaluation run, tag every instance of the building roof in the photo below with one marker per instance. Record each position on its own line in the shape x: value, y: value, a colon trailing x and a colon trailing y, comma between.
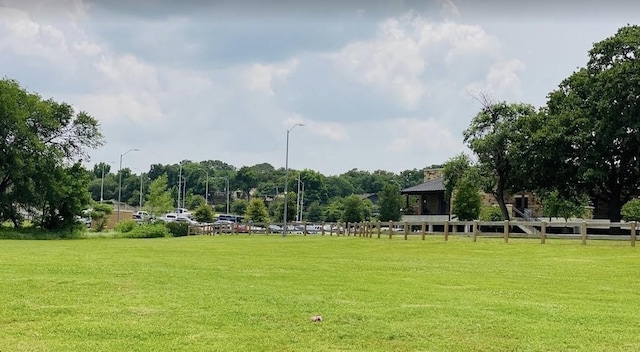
x: 434, y: 185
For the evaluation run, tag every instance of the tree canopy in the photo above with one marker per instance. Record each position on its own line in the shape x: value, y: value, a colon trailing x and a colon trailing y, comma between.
x: 42, y: 143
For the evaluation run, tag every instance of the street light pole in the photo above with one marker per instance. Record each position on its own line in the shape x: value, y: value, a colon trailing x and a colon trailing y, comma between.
x: 141, y: 179
x: 120, y: 181
x: 227, y: 179
x: 286, y: 180
x: 301, y: 201
x: 179, y: 185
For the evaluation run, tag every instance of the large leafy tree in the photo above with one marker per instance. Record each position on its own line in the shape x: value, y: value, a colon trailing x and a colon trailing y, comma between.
x: 354, y: 209
x: 390, y: 203
x: 496, y: 140
x: 593, y: 123
x: 246, y: 179
x: 41, y: 144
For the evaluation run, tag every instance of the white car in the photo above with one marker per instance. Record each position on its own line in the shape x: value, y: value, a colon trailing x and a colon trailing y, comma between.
x: 169, y: 217
x: 183, y: 212
x: 186, y: 220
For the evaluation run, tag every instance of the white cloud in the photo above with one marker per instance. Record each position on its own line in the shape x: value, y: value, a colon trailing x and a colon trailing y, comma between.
x: 403, y: 51
x: 261, y: 77
x: 449, y: 9
x: 413, y: 135
x: 501, y: 81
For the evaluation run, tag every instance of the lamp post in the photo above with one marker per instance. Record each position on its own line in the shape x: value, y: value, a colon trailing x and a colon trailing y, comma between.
x: 226, y: 179
x: 120, y: 181
x: 301, y: 201
x: 286, y: 180
x: 179, y: 186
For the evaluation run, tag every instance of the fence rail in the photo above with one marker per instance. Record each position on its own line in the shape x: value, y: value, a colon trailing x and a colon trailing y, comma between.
x: 582, y: 230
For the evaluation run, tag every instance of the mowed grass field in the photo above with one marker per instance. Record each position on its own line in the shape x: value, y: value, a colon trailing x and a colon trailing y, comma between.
x: 258, y: 293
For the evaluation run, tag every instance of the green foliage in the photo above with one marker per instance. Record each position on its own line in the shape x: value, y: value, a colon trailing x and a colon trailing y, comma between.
x: 204, y: 213
x: 555, y: 205
x: 148, y: 231
x: 334, y: 211
x: 490, y: 213
x: 495, y: 138
x: 257, y: 211
x: 195, y: 201
x: 453, y: 171
x: 315, y: 212
x: 467, y: 202
x: 34, y: 233
x: 390, y: 203
x: 177, y: 229
x: 592, y: 125
x: 631, y: 210
x: 160, y: 200
x: 291, y: 209
x: 41, y: 143
x: 239, y: 206
x: 245, y: 179
x: 220, y: 208
x: 125, y: 226
x: 353, y: 209
x: 99, y: 216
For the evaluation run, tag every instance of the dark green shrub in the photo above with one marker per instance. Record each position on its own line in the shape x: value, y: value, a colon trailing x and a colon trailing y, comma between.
x: 148, y: 231
x: 631, y: 210
x: 99, y: 216
x: 177, y: 229
x: 204, y: 213
x: 490, y: 213
x: 126, y: 226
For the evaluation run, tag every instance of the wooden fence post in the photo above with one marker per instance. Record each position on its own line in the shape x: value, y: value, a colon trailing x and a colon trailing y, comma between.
x: 633, y: 233
x: 506, y: 231
x: 390, y: 229
x: 543, y: 232
x: 406, y: 230
x: 424, y: 229
x: 379, y: 230
x: 583, y: 232
x: 475, y: 230
x: 446, y: 231
x: 304, y: 229
x: 322, y: 229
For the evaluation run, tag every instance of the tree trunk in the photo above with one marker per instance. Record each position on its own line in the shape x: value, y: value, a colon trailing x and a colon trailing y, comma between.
x: 499, y: 195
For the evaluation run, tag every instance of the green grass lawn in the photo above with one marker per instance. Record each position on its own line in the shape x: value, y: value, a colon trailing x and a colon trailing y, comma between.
x: 258, y: 293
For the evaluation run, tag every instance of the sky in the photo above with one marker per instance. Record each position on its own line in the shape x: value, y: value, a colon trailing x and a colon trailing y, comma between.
x: 378, y: 85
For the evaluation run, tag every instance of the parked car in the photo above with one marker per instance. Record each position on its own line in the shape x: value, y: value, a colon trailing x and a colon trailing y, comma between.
x: 169, y: 217
x: 183, y: 212
x: 186, y: 220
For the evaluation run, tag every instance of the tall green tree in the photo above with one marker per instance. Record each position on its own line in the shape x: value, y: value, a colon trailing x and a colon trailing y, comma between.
x: 41, y: 142
x: 390, y: 203
x: 245, y: 179
x: 257, y: 211
x: 467, y: 200
x: 494, y: 137
x: 315, y: 212
x: 453, y: 171
x: 593, y: 124
x: 353, y: 209
x: 159, y: 200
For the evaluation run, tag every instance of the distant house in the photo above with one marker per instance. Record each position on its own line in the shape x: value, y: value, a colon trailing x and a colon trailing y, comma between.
x: 432, y: 205
x: 373, y: 197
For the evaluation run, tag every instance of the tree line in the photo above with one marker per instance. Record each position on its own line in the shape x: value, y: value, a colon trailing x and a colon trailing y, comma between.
x: 582, y: 146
